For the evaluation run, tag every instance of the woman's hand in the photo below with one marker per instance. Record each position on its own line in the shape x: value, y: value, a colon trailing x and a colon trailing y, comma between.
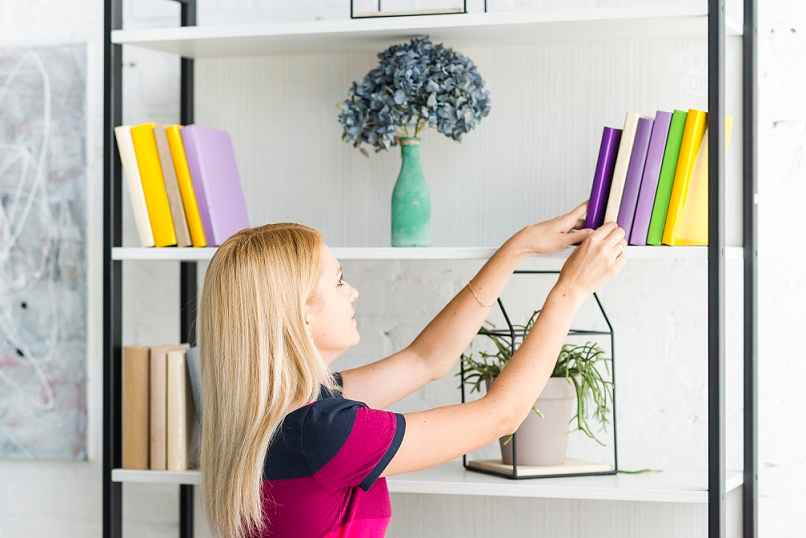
x: 553, y: 235
x: 595, y: 261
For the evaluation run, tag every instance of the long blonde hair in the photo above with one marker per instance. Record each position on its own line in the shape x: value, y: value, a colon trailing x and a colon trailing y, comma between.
x: 258, y: 362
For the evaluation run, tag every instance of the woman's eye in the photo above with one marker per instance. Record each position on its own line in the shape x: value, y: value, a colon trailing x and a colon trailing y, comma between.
x: 341, y: 281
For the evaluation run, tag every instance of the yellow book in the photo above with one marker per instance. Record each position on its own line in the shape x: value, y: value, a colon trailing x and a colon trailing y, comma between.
x: 693, y: 222
x: 197, y: 236
x: 159, y: 208
x: 696, y: 121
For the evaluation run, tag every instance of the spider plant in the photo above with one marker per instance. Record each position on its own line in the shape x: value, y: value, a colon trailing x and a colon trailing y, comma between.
x: 581, y: 364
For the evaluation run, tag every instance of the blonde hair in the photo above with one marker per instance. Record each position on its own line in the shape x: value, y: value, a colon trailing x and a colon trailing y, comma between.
x: 258, y: 362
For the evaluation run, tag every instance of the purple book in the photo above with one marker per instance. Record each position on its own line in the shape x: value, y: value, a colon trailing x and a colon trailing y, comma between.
x: 214, y: 174
x: 635, y: 170
x: 649, y: 182
x: 600, y: 191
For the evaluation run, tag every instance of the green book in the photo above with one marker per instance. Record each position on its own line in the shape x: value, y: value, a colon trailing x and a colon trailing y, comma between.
x: 666, y: 179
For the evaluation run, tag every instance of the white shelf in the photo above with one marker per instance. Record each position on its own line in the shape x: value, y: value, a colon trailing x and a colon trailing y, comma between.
x: 156, y: 477
x: 424, y: 253
x: 452, y: 479
x: 341, y: 35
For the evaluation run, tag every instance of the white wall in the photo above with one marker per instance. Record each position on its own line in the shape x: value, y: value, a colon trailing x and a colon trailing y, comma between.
x: 782, y: 293
x: 59, y: 498
x: 656, y: 429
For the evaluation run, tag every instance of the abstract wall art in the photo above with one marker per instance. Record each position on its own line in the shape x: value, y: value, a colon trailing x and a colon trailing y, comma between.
x: 43, y: 266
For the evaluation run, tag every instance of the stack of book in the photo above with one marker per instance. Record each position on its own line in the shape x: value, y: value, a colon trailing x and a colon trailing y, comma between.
x: 161, y: 407
x: 651, y: 178
x: 183, y: 183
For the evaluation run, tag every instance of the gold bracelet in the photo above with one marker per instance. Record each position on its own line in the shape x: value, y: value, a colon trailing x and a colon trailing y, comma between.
x: 470, y: 287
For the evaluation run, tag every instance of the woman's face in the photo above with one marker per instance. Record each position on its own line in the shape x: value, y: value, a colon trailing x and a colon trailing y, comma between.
x: 331, y: 313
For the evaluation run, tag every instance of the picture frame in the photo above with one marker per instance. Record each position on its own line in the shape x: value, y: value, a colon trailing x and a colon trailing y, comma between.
x: 370, y: 9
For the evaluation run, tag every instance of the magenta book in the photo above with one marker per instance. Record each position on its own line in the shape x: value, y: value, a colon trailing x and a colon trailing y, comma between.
x: 214, y: 174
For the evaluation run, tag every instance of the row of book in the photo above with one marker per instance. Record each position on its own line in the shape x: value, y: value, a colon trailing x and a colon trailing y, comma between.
x: 183, y: 183
x: 651, y: 178
x: 161, y: 407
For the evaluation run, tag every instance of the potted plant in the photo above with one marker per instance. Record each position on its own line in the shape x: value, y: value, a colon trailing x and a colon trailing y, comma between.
x: 415, y: 85
x: 577, y: 392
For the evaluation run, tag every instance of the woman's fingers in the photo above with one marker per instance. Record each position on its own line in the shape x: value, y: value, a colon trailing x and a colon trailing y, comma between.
x: 573, y: 218
x: 577, y: 236
x: 614, y: 236
x: 603, y: 231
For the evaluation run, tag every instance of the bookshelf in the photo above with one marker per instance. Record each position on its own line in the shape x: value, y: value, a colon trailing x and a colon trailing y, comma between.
x: 196, y: 42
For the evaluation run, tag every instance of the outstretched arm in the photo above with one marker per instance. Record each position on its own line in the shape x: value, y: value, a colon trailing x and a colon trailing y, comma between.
x: 439, y: 345
x: 441, y: 434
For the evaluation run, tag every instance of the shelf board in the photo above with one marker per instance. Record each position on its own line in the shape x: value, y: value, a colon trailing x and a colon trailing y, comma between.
x: 423, y: 253
x: 473, y: 29
x: 452, y: 479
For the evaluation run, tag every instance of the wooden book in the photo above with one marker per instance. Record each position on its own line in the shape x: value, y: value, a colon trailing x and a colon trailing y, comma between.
x: 159, y: 405
x: 135, y: 396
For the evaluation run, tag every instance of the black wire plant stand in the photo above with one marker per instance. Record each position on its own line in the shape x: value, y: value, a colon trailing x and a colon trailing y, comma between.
x: 513, y: 336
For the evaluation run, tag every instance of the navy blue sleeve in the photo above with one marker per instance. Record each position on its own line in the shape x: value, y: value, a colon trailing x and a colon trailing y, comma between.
x: 347, y: 444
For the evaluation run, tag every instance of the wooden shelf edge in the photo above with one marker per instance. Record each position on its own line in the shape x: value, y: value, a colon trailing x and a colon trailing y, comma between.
x: 452, y: 479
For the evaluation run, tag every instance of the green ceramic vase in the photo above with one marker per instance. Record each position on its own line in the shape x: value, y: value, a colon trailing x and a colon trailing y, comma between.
x: 411, y: 199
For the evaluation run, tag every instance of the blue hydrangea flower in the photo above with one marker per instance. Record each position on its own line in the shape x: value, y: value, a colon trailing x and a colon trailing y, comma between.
x: 415, y: 84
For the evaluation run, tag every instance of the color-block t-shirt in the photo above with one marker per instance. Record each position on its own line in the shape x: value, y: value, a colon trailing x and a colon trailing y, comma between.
x: 321, y: 476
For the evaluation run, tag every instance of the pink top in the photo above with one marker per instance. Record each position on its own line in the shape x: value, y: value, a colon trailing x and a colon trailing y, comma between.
x: 320, y: 476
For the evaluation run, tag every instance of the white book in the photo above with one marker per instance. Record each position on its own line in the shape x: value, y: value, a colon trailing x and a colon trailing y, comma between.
x: 180, y: 411
x: 172, y: 187
x: 620, y: 169
x: 131, y: 172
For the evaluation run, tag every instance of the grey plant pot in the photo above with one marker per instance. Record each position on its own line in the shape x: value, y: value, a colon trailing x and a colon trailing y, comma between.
x: 544, y: 440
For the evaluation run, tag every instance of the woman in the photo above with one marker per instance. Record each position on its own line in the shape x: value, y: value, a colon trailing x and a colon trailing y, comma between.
x: 291, y: 450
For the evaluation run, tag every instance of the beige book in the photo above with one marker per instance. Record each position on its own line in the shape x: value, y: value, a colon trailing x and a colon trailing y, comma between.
x: 128, y: 161
x: 172, y: 187
x: 180, y: 409
x: 135, y: 396
x: 158, y: 444
x: 620, y: 168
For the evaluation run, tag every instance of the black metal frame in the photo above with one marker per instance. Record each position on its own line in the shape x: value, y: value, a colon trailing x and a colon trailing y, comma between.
x: 113, y: 271
x: 749, y: 261
x: 513, y: 334
x: 716, y: 270
x: 112, y: 518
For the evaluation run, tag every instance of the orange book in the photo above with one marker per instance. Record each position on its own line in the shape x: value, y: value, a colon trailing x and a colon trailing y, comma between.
x: 197, y: 237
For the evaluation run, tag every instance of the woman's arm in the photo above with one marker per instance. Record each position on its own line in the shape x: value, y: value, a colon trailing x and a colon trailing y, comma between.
x: 441, y: 434
x: 436, y: 348
x: 439, y: 345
